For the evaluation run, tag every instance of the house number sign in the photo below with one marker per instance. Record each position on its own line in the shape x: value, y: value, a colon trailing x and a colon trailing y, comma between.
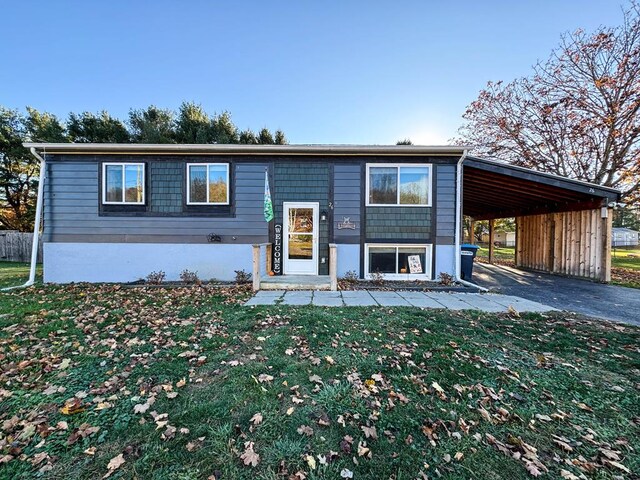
x: 347, y: 224
x: 277, y: 250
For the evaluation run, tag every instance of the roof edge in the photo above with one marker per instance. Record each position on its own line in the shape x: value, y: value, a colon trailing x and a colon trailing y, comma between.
x: 582, y: 183
x: 238, y: 149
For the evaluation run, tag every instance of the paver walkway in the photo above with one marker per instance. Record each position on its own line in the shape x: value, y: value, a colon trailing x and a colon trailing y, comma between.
x: 486, y: 302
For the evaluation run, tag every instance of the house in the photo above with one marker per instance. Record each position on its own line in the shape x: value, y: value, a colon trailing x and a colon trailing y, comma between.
x: 116, y: 212
x: 625, y: 237
x: 505, y: 239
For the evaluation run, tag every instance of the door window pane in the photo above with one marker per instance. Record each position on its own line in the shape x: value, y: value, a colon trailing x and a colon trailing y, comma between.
x: 404, y: 261
x: 113, y: 183
x: 383, y: 185
x: 300, y: 246
x: 218, y: 184
x: 198, y: 183
x: 133, y: 178
x: 382, y: 259
x: 414, y: 185
x: 300, y: 220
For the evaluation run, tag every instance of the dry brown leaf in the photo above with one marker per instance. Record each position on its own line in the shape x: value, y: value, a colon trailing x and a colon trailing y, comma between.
x: 369, y: 432
x: 249, y: 456
x: 256, y: 419
x: 114, y: 464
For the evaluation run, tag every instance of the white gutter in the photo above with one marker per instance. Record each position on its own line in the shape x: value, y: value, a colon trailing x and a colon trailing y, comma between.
x: 36, y: 224
x: 458, y: 224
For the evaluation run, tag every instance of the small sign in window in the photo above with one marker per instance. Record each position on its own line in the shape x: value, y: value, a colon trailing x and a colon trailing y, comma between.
x: 415, y: 266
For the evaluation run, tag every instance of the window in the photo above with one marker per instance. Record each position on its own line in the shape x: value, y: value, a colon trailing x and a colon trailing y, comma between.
x: 402, y: 262
x: 123, y: 183
x: 207, y: 184
x: 399, y: 184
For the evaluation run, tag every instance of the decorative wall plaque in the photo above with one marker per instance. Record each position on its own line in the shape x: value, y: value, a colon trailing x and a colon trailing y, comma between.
x: 346, y: 224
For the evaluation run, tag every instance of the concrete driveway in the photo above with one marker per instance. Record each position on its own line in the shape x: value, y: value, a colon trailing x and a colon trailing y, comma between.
x: 598, y: 300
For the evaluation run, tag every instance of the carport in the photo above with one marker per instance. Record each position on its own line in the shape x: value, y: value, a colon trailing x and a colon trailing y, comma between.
x: 563, y: 226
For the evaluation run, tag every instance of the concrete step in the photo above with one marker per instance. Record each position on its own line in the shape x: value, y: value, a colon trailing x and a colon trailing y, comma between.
x: 295, y: 282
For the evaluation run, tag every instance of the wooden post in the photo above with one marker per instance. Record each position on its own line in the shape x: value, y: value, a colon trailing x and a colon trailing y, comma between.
x: 516, y: 256
x: 472, y: 228
x: 607, y: 224
x: 333, y: 266
x: 491, y: 239
x: 269, y: 257
x: 256, y: 268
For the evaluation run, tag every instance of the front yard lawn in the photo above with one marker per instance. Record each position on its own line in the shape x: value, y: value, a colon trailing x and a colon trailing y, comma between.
x: 14, y: 273
x: 185, y: 383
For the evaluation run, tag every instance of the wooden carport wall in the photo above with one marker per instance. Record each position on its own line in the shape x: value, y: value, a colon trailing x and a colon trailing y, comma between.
x: 562, y: 226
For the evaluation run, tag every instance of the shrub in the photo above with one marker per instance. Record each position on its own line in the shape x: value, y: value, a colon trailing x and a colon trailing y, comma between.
x: 156, y: 278
x: 377, y: 278
x: 350, y: 277
x: 445, y: 278
x: 187, y: 276
x: 242, y: 276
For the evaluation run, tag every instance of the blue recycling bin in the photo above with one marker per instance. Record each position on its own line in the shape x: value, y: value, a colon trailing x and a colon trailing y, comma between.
x: 467, y: 254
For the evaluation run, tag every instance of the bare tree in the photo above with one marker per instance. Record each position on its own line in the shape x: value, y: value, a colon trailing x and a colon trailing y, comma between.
x: 578, y: 113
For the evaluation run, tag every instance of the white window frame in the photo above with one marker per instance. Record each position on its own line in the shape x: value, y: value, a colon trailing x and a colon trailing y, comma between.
x: 398, y: 166
x: 123, y: 165
x: 428, y: 259
x: 189, y: 165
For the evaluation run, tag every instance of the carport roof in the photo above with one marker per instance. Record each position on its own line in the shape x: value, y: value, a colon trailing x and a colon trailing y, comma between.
x: 494, y: 189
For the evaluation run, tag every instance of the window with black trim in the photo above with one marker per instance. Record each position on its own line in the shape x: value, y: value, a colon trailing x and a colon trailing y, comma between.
x: 123, y: 183
x: 207, y: 184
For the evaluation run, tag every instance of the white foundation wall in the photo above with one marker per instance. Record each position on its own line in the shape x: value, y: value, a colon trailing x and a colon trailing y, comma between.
x: 445, y: 260
x: 348, y: 259
x: 127, y: 262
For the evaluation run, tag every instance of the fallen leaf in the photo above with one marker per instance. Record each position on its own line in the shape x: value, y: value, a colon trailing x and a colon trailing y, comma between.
x: 256, y: 419
x: 114, y: 464
x: 369, y: 432
x: 305, y: 430
x: 249, y: 456
x: 72, y: 406
x: 311, y: 462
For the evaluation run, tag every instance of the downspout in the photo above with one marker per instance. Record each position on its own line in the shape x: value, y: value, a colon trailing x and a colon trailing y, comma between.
x: 36, y: 224
x: 458, y: 224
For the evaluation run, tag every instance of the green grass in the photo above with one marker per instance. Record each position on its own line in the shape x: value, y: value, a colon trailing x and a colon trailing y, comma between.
x: 13, y: 273
x: 500, y: 253
x: 624, y: 258
x: 331, y: 370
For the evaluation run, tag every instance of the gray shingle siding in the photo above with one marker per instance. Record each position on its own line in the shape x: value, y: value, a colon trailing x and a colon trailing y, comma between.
x: 398, y: 223
x: 166, y: 187
x: 304, y: 182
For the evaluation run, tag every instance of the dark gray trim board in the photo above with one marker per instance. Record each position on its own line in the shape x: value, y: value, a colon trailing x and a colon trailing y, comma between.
x: 125, y: 238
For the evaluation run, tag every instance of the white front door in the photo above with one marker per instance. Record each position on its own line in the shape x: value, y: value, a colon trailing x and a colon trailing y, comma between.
x: 300, y: 238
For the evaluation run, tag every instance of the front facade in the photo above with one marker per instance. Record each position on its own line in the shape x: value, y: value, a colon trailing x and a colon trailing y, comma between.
x: 115, y: 213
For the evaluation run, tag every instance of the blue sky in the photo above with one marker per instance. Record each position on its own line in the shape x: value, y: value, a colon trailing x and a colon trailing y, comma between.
x: 368, y: 72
